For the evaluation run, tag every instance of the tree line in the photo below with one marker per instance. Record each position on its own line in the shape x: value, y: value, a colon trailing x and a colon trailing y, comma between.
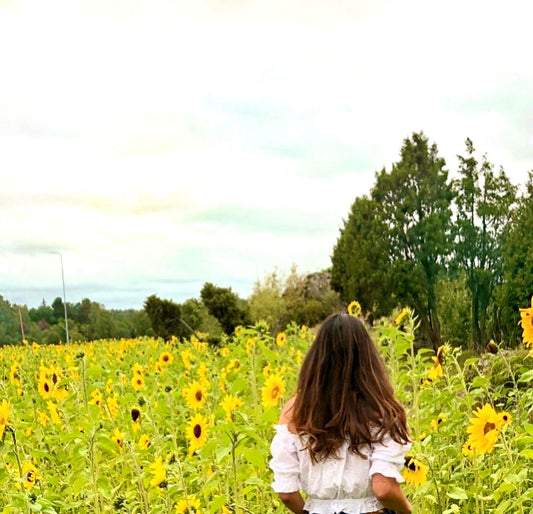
x: 304, y: 298
x: 458, y: 251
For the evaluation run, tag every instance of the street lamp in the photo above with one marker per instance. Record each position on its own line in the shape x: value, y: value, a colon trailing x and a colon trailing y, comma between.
x: 64, y: 296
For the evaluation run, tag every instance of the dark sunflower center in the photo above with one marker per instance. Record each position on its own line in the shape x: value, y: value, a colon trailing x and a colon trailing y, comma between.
x: 54, y: 378
x: 135, y: 414
x: 412, y: 465
x: 165, y: 358
x: 46, y: 387
x: 275, y: 392
x: 197, y: 431
x: 198, y: 396
x: 488, y: 427
x: 30, y: 476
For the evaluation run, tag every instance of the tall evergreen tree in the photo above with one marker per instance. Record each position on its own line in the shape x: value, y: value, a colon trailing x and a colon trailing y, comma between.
x: 483, y: 203
x: 414, y: 204
x: 360, y: 260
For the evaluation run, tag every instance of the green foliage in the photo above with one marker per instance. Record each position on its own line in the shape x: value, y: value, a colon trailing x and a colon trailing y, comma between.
x: 360, y: 260
x: 9, y: 327
x: 267, y: 302
x: 165, y: 316
x: 483, y: 202
x: 453, y: 304
x: 309, y: 298
x: 414, y: 205
x: 43, y: 313
x: 517, y: 287
x: 225, y: 306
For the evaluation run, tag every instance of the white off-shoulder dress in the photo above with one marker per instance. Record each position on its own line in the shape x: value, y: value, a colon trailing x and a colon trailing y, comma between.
x: 333, y: 485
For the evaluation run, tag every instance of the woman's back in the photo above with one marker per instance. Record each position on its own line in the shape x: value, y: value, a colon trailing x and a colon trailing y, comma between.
x: 343, y: 427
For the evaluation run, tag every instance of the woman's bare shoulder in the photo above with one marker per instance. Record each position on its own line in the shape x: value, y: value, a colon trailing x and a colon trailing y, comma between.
x: 286, y: 415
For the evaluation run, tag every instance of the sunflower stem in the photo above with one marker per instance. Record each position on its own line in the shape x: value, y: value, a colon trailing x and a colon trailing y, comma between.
x: 434, y: 480
x: 140, y: 484
x: 83, y: 384
x: 93, y: 471
x: 234, y: 438
x: 477, y: 495
x: 19, y: 464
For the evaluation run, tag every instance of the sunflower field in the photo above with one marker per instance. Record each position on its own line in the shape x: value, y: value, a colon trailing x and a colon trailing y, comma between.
x: 152, y: 426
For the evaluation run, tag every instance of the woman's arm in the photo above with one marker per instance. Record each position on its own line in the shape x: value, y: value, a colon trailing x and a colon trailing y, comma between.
x: 293, y: 501
x: 390, y: 494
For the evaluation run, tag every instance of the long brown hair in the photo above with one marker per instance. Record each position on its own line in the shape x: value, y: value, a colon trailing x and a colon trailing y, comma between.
x: 344, y: 392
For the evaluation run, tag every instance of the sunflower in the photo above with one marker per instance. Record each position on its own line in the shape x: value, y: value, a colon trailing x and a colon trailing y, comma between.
x: 468, y: 449
x: 118, y: 437
x: 29, y: 474
x: 196, y: 432
x: 137, y: 382
x: 491, y: 347
x: 398, y: 320
x: 272, y: 391
x: 238, y: 331
x: 112, y: 405
x: 415, y: 472
x: 503, y: 419
x: 202, y: 369
x: 229, y: 404
x: 225, y: 352
x: 354, y: 309
x: 43, y: 418
x: 135, y: 414
x: 436, y: 371
x: 303, y: 332
x: 166, y: 358
x: 281, y: 339
x: 144, y: 442
x: 159, y: 472
x: 187, y: 356
x: 96, y: 398
x: 44, y: 387
x: 233, y: 365
x: 526, y: 321
x: 484, y: 429
x: 59, y: 393
x: 55, y: 375
x: 250, y: 345
x: 54, y: 415
x: 137, y: 369
x: 195, y: 395
x: 435, y: 423
x: 442, y: 351
x: 5, y: 411
x: 14, y: 377
x: 190, y: 504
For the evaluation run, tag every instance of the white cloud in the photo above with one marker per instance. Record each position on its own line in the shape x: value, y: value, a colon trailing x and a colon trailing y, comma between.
x: 120, y: 122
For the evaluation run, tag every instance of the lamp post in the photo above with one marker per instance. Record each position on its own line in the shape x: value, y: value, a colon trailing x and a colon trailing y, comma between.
x: 64, y: 296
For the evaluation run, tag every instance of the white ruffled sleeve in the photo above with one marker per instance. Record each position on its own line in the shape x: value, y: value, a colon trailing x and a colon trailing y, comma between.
x: 388, y: 458
x: 285, y: 463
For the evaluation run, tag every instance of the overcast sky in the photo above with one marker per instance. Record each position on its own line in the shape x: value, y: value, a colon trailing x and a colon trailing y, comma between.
x: 161, y: 144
